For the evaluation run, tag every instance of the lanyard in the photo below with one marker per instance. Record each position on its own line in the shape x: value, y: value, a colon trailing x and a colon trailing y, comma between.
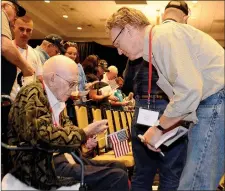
x: 150, y: 66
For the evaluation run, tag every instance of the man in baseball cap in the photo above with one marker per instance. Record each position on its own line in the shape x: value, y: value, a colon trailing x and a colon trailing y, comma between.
x: 57, y: 41
x: 51, y: 45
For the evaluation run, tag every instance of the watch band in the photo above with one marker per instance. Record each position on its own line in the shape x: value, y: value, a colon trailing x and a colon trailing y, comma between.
x: 157, y: 124
x: 160, y: 128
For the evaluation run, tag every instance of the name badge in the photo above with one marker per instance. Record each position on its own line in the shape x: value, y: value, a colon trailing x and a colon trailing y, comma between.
x: 147, y: 117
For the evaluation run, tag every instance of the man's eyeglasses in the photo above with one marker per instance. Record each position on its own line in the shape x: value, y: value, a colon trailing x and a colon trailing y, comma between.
x: 118, y: 35
x: 71, y: 84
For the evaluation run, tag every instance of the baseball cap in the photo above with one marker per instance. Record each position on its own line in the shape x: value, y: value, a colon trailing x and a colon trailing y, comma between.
x: 178, y: 5
x: 57, y: 41
x: 20, y: 10
x: 103, y: 64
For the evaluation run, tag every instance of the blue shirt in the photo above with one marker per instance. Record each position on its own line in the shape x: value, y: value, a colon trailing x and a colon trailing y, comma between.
x: 42, y: 54
x: 82, y: 78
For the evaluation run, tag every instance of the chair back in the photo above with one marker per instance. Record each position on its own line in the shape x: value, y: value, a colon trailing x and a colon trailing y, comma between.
x: 82, y: 116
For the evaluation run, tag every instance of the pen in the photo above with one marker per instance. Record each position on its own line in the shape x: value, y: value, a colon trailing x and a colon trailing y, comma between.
x: 162, y: 153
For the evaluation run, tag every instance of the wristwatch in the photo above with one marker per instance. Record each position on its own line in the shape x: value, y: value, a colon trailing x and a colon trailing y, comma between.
x: 158, y: 126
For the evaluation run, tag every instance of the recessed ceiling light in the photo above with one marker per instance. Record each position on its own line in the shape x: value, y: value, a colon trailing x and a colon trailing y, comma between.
x: 65, y: 16
x: 194, y: 1
x: 47, y: 1
x: 79, y: 28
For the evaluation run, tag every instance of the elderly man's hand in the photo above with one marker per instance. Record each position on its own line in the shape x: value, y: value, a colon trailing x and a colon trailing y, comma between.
x: 96, y: 127
x: 91, y: 143
x: 151, y: 136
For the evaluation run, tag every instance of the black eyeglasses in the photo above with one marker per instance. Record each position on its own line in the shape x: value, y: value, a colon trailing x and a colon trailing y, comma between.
x: 118, y: 35
x: 71, y: 84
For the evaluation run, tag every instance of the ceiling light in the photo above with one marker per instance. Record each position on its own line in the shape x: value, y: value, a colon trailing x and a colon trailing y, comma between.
x: 65, y: 16
x: 194, y: 1
x: 79, y: 28
x: 47, y: 1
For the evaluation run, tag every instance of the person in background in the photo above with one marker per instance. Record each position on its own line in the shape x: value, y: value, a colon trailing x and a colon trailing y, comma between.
x: 11, y: 58
x: 51, y: 45
x: 71, y: 51
x: 23, y: 29
x: 120, y: 103
x: 131, y: 102
x: 94, y: 72
x: 110, y: 77
x: 190, y: 66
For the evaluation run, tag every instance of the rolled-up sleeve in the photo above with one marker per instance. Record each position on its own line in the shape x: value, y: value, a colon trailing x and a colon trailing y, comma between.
x: 179, y: 66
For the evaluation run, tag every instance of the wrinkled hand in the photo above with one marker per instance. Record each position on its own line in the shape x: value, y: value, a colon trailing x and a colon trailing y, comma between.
x: 96, y: 127
x: 91, y: 143
x: 28, y: 71
x: 151, y: 136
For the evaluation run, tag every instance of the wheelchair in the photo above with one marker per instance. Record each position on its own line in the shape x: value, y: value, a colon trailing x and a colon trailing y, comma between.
x: 9, y: 182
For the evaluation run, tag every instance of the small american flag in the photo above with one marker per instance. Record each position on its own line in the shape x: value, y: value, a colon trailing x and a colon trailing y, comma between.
x: 119, y: 142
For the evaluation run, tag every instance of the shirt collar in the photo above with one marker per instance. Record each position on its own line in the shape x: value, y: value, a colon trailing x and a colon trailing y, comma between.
x: 168, y: 20
x: 43, y: 52
x: 51, y: 98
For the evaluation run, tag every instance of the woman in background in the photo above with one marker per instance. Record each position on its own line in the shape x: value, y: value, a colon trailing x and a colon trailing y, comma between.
x: 72, y: 52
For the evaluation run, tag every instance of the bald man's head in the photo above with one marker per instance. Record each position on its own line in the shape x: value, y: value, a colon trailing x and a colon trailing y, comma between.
x: 60, y: 74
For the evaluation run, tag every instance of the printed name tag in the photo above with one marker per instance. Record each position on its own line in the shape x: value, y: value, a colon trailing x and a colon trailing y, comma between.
x: 147, y: 117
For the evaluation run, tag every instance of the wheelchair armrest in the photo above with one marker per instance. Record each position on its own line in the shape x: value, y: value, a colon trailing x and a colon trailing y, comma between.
x: 48, y: 148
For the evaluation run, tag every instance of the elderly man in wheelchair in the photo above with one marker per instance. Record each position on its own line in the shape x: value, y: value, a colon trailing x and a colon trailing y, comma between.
x: 38, y: 131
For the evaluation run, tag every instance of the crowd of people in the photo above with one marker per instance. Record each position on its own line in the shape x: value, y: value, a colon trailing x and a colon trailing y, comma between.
x: 187, y: 89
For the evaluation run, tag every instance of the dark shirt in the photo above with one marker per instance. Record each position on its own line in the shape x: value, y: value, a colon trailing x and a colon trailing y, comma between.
x: 136, y: 78
x: 104, y: 103
x: 8, y: 76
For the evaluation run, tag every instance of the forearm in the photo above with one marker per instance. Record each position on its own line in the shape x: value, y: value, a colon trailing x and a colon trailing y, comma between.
x: 10, y: 52
x: 167, y: 122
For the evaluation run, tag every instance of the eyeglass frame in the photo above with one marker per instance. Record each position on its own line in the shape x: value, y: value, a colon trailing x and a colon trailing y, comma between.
x: 118, y: 35
x: 70, y: 86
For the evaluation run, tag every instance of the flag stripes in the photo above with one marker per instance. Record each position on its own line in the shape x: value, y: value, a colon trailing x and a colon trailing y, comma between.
x: 119, y: 142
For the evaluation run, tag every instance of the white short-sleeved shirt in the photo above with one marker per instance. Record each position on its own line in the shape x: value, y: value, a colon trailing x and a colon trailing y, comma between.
x: 33, y: 59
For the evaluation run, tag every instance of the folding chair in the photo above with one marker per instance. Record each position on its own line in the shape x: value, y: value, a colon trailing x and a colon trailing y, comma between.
x: 82, y: 116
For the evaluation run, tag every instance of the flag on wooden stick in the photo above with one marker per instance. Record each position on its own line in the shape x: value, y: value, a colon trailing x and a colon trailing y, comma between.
x: 119, y: 141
